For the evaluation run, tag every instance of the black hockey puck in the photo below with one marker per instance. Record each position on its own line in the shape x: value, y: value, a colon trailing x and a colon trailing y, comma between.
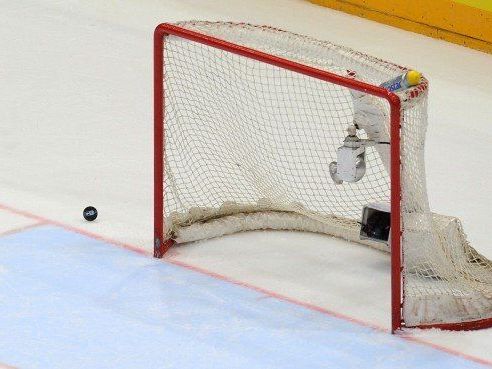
x: 90, y: 213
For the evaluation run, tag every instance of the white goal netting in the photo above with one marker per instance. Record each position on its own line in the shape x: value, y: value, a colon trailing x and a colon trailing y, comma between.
x: 248, y: 146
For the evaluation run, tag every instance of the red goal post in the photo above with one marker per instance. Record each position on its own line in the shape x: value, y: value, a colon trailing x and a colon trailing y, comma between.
x: 161, y: 244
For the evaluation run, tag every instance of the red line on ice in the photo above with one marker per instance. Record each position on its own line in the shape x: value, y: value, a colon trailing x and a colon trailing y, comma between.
x: 21, y: 229
x: 3, y: 366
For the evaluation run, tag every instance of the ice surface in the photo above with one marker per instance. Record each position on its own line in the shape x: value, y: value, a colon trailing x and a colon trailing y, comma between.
x: 80, y: 303
x: 76, y: 130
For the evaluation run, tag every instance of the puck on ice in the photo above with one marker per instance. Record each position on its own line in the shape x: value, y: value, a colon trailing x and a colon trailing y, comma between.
x: 90, y: 213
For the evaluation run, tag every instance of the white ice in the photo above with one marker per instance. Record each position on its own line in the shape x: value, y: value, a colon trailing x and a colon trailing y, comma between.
x: 76, y: 130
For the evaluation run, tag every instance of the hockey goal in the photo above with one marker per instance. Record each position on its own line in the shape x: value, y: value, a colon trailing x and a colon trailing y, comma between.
x: 247, y: 122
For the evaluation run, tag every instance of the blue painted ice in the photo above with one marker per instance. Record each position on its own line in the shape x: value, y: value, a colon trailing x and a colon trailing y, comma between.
x: 68, y: 301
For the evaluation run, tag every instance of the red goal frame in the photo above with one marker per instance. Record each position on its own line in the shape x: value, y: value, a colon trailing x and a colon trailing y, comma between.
x: 161, y: 246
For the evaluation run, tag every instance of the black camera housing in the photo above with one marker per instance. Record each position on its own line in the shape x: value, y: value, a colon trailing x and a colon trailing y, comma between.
x: 376, y: 223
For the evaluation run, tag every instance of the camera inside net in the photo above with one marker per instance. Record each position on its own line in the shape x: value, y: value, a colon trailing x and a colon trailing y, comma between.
x: 376, y: 222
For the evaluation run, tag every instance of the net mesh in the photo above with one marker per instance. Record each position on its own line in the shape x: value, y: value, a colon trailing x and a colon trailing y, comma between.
x: 248, y: 146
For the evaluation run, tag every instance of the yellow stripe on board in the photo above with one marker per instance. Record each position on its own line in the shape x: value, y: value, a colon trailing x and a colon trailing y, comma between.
x: 442, y: 19
x: 479, y: 4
